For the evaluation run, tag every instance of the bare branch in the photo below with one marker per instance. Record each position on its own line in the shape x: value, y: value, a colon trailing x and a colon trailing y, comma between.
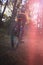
x: 4, y: 7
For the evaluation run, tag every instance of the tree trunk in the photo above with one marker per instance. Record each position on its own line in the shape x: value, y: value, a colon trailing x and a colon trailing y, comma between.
x: 12, y: 20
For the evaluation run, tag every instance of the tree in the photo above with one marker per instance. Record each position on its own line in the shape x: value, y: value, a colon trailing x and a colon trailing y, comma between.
x: 1, y: 14
x: 14, y: 13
